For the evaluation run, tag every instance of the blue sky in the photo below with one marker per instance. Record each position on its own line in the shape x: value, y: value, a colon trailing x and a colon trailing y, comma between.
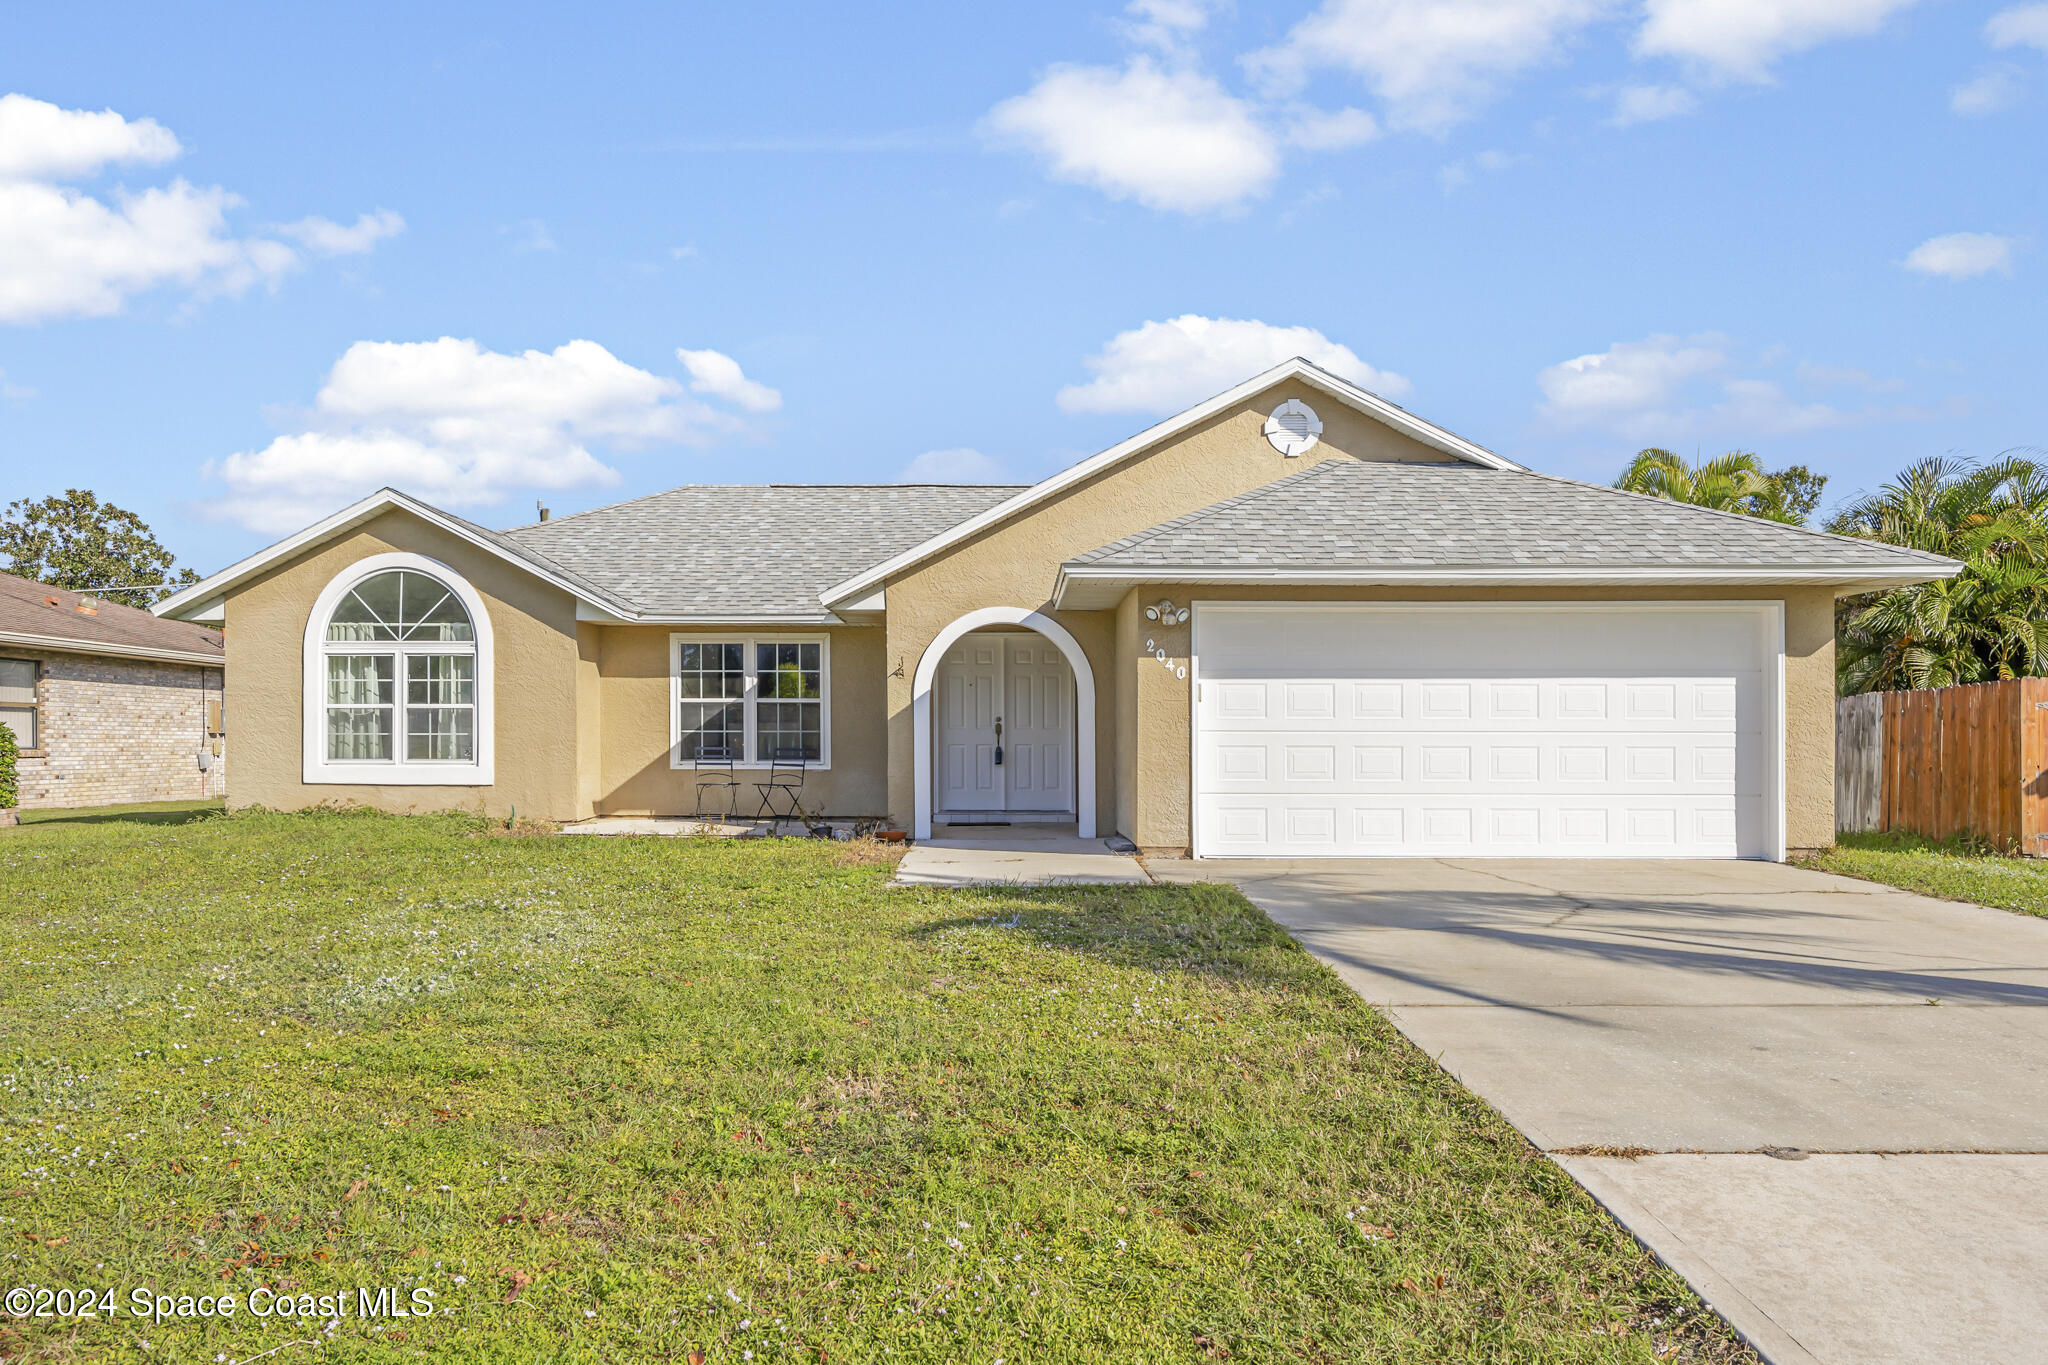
x: 684, y: 244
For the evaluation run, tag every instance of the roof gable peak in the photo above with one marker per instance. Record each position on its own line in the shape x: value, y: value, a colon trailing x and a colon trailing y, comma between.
x: 1298, y: 368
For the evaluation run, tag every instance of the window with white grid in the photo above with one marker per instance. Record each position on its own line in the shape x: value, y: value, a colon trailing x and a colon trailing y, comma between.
x: 756, y: 698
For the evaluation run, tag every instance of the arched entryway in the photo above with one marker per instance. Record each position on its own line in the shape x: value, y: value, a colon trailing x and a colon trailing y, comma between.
x: 1084, y: 708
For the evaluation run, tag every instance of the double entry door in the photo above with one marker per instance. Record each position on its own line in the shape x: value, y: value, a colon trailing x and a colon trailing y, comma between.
x: 1006, y: 725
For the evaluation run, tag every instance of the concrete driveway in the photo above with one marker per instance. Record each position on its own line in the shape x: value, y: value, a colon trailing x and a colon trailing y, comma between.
x: 1835, y: 1094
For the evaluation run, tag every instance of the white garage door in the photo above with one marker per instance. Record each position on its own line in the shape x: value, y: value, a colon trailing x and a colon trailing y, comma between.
x: 1445, y: 731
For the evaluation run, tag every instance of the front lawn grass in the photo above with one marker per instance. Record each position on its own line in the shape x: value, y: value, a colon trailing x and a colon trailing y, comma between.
x: 1951, y: 870
x: 146, y: 813
x: 630, y: 1099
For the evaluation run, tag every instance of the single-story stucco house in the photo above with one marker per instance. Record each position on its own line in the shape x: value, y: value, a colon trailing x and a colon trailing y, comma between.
x: 107, y: 703
x: 1293, y: 620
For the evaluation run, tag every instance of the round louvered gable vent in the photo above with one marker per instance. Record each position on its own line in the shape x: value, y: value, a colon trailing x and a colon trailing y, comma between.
x: 1294, y: 428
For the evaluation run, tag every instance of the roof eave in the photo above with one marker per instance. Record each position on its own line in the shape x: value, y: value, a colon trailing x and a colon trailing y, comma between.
x: 1084, y: 587
x: 1313, y: 375
x: 69, y: 644
x: 183, y: 605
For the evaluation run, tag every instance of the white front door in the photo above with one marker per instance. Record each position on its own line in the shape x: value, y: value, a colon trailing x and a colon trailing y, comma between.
x: 970, y: 699
x: 1526, y: 730
x: 1038, y: 725
x: 1007, y: 693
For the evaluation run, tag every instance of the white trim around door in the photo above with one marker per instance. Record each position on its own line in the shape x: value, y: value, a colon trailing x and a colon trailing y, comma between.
x: 922, y: 776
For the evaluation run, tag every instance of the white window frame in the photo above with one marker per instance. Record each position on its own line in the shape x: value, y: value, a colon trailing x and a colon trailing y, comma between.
x: 396, y: 771
x: 34, y: 707
x: 750, y: 698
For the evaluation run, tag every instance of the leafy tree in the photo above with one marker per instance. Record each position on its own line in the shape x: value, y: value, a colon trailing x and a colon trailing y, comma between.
x: 78, y: 542
x: 1800, y: 488
x: 10, y: 787
x: 1735, y: 482
x: 1988, y: 622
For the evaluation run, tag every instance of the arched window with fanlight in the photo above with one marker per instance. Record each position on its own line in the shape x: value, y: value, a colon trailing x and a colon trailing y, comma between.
x: 398, y: 676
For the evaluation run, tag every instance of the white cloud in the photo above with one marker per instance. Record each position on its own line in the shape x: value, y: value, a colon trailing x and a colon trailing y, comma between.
x: 718, y: 374
x: 1762, y: 406
x: 1163, y: 367
x: 1458, y: 174
x: 67, y: 253
x: 959, y: 465
x: 1170, y: 139
x: 1742, y: 39
x: 332, y: 239
x: 2020, y: 26
x: 528, y: 235
x: 1432, y: 61
x: 1648, y: 103
x: 1167, y: 25
x: 460, y: 426
x: 1627, y: 382
x: 39, y: 141
x: 1962, y: 255
x: 1669, y: 389
x: 1988, y: 92
x: 1318, y: 130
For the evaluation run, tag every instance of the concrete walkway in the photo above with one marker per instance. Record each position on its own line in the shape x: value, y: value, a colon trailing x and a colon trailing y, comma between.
x: 1016, y: 855
x: 1839, y: 1092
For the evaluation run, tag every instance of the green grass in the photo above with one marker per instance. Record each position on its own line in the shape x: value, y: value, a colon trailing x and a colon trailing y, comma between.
x: 1953, y: 870
x: 624, y: 1099
x: 150, y: 813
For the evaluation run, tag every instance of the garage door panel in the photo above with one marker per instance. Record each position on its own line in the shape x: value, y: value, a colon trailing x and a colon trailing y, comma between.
x: 1492, y: 826
x: 1519, y: 732
x: 1306, y: 764
x: 1727, y: 701
x: 1469, y: 643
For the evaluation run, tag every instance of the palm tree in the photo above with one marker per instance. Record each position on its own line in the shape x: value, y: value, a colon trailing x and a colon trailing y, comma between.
x: 1735, y: 482
x: 1988, y: 622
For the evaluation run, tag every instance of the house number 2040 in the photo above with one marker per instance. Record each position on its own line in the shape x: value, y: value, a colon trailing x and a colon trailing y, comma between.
x: 1158, y: 651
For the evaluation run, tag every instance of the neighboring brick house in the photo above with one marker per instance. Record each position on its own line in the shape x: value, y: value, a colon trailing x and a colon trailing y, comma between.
x: 107, y: 703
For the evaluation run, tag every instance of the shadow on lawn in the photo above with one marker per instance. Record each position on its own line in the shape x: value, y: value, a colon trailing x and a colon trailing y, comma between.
x: 177, y: 813
x: 1209, y: 929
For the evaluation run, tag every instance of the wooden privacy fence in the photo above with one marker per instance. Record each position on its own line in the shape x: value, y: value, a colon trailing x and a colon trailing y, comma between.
x: 1950, y: 761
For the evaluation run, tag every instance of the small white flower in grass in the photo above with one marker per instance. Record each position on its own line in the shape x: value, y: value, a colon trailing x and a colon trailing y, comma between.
x: 590, y: 1312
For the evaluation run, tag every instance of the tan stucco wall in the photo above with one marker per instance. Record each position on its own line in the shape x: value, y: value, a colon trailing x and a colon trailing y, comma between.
x: 1123, y: 747
x: 534, y: 711
x: 632, y: 694
x: 1016, y: 563
x: 1163, y: 702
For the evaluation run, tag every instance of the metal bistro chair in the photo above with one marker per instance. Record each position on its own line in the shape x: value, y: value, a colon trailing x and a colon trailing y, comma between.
x: 717, y: 773
x: 782, y: 793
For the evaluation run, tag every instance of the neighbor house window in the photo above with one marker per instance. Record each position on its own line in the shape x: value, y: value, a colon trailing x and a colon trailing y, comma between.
x: 18, y: 700
x: 399, y: 673
x: 756, y: 698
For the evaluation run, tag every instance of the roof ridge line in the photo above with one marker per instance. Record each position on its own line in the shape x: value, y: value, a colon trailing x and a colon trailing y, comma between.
x: 678, y: 488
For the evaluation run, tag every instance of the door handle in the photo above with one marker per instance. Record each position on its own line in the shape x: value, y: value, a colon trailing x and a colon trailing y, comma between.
x: 999, y: 741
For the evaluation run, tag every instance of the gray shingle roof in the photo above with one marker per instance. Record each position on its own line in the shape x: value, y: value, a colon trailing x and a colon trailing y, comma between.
x: 1351, y: 514
x: 744, y: 551
x: 515, y: 549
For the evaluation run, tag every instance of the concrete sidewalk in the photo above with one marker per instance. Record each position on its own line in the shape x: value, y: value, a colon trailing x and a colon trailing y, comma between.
x: 1018, y: 855
x: 1889, y: 1053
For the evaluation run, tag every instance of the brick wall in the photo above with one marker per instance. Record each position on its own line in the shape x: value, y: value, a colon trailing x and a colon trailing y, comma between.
x: 113, y: 731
